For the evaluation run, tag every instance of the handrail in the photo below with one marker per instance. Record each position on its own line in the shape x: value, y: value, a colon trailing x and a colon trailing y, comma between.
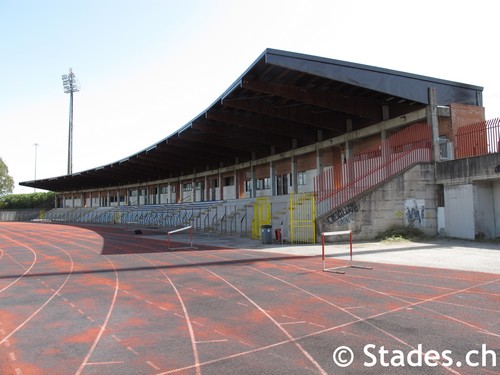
x: 373, y: 177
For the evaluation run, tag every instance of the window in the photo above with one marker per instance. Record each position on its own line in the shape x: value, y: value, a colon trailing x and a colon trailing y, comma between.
x: 187, y: 187
x: 445, y: 148
x: 302, y: 178
x: 229, y: 181
x: 267, y: 183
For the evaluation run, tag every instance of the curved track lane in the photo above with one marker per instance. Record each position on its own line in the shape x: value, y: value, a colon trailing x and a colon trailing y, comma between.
x: 100, y: 300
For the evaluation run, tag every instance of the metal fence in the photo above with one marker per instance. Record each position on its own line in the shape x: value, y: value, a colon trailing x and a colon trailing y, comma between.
x: 335, y: 186
x: 478, y: 139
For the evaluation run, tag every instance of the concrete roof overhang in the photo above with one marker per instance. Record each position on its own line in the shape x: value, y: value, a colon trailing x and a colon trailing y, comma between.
x: 283, y: 100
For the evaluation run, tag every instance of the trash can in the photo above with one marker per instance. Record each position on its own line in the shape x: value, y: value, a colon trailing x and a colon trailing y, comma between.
x: 267, y: 234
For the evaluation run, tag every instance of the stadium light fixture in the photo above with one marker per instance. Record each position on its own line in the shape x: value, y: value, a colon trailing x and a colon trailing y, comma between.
x: 71, y: 85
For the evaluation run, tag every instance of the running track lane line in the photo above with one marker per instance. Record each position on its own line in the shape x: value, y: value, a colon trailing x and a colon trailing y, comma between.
x: 306, y: 354
x: 364, y: 320
x: 287, y: 334
x: 186, y: 315
x: 104, y: 324
x: 184, y: 309
x: 191, y: 331
x: 358, y: 318
x: 378, y: 292
x: 411, y: 304
x: 25, y: 272
x: 46, y: 302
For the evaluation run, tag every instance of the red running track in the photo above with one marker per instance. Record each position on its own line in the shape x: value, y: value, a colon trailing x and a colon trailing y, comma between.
x: 101, y: 300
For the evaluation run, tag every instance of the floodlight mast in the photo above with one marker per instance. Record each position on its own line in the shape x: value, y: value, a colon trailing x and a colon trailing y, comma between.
x: 71, y: 85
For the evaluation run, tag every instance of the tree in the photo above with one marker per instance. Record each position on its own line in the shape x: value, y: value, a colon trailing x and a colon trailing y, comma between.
x: 6, y: 181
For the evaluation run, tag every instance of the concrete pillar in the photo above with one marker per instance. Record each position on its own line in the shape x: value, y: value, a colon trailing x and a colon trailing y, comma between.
x: 236, y: 182
x: 253, y: 181
x: 319, y: 154
x: 206, y: 189
x: 432, y: 119
x: 348, y: 172
x: 272, y: 174
x: 272, y: 177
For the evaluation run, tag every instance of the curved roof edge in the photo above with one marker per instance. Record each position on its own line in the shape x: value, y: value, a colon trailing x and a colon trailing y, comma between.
x: 409, y: 86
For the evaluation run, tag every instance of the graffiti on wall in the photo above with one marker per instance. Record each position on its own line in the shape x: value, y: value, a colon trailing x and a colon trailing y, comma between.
x: 343, y: 215
x: 415, y: 212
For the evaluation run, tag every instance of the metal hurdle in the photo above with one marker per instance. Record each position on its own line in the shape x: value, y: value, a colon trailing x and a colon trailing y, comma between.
x: 190, y: 227
x: 351, y: 265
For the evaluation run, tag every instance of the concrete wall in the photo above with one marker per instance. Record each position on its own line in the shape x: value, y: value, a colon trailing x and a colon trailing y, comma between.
x: 467, y: 170
x: 472, y: 196
x: 496, y: 208
x: 408, y: 199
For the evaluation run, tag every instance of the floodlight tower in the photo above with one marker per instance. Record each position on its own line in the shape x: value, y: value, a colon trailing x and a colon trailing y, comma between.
x: 71, y: 85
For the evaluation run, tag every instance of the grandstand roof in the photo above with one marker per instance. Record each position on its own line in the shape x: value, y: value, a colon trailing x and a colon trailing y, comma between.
x: 282, y: 99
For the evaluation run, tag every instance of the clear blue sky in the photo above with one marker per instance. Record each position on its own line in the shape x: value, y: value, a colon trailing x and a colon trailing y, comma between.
x: 148, y: 67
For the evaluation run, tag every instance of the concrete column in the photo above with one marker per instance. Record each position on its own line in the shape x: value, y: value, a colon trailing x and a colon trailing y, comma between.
x: 349, y: 173
x: 236, y: 182
x: 253, y: 181
x: 319, y: 155
x: 432, y: 119
x: 293, y: 169
x: 221, y: 186
x: 193, y: 192
x: 206, y: 189
x: 272, y: 177
x: 272, y: 174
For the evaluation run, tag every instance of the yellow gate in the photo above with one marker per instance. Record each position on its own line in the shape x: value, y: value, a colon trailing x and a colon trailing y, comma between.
x: 302, y: 218
x: 261, y: 216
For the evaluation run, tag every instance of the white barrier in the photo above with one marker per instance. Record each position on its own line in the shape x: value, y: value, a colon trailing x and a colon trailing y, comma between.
x: 181, y: 230
x: 333, y: 234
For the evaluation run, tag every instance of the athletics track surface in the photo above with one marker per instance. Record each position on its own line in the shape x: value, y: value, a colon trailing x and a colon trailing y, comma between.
x: 101, y: 300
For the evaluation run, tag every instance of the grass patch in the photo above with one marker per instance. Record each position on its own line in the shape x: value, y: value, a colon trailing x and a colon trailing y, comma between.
x: 401, y: 234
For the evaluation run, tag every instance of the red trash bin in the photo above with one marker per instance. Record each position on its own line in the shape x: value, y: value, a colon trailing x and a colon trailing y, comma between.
x: 277, y: 233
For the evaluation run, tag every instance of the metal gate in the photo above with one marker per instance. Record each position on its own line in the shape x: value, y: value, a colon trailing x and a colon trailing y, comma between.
x: 302, y: 218
x: 261, y: 216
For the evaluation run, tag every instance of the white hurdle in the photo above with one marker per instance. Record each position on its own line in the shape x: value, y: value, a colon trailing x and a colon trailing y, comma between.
x: 351, y: 265
x: 180, y: 230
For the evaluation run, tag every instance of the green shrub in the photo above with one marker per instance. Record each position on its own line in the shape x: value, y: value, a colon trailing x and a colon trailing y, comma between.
x: 45, y: 200
x: 401, y: 234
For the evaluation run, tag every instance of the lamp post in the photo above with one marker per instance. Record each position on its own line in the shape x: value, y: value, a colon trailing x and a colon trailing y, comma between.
x: 36, y: 149
x: 71, y: 85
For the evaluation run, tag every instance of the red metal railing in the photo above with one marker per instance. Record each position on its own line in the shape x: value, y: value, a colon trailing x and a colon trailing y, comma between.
x: 477, y: 139
x: 336, y: 185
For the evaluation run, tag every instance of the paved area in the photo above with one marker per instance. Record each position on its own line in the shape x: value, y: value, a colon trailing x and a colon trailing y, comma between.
x: 104, y: 300
x: 437, y: 252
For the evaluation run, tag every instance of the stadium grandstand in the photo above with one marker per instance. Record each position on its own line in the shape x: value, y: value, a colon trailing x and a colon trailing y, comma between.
x: 303, y: 144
